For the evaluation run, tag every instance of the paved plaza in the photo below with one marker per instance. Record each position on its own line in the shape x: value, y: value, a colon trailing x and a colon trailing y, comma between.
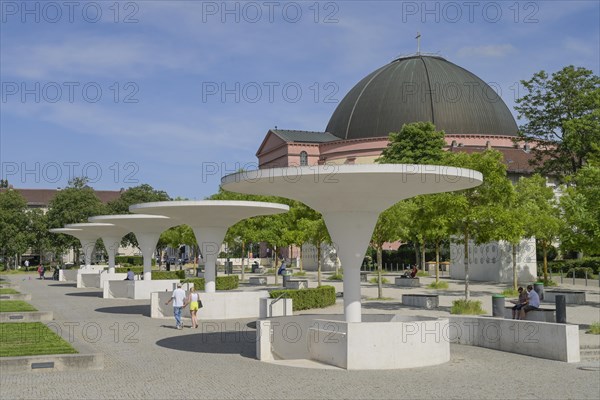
x: 148, y: 358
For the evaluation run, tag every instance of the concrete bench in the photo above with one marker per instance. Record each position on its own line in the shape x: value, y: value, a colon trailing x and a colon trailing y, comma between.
x: 540, y: 315
x: 257, y: 280
x: 297, y: 284
x: 407, y: 282
x: 571, y: 296
x: 427, y: 301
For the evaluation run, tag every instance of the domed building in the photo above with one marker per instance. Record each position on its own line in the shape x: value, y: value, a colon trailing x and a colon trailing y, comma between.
x: 411, y: 89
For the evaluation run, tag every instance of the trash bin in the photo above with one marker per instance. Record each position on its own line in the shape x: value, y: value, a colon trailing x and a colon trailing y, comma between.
x: 498, y: 304
x: 229, y: 267
x: 255, y: 266
x: 286, y: 277
x: 539, y: 289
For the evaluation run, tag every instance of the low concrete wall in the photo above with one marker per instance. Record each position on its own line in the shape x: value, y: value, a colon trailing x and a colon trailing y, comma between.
x: 427, y: 301
x: 537, y: 339
x: 379, y: 342
x: 218, y: 305
x: 138, y: 290
x: 257, y: 280
x: 280, y: 308
x: 297, y: 284
x: 57, y: 362
x: 407, y: 282
x: 28, y: 316
x: 541, y: 315
x: 98, y: 280
x: 20, y: 296
x: 68, y: 275
x: 571, y: 296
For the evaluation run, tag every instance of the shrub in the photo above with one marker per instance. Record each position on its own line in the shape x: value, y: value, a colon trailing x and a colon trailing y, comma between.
x: 305, y: 299
x: 438, y: 285
x: 136, y: 270
x: 470, y: 307
x: 566, y: 265
x: 132, y: 260
x: 423, y: 273
x: 375, y: 280
x: 161, y: 275
x: 336, y: 277
x: 221, y: 283
x: 510, y: 292
x: 594, y: 328
x: 299, y: 273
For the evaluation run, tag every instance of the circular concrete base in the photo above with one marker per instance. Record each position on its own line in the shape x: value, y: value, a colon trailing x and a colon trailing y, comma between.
x: 380, y: 341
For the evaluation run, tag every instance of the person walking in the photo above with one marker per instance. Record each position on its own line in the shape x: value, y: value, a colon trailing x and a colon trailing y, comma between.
x: 193, y: 300
x: 178, y: 299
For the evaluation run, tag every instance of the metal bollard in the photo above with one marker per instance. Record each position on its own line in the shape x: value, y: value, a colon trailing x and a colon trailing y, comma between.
x: 498, y: 305
x: 539, y: 288
x: 561, y: 309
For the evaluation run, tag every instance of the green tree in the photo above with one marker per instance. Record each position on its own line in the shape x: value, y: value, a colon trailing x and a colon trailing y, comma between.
x: 563, y: 119
x: 416, y: 143
x: 476, y: 214
x: 317, y: 235
x: 38, y: 234
x: 74, y: 204
x: 581, y: 211
x: 13, y: 226
x: 540, y: 213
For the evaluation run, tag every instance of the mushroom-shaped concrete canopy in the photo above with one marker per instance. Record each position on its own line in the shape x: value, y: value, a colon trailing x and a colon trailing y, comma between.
x: 147, y: 230
x: 209, y: 219
x: 351, y: 197
x: 87, y: 238
x: 110, y: 234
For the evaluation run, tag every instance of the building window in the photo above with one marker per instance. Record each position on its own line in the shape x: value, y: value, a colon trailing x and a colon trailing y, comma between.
x: 303, y: 158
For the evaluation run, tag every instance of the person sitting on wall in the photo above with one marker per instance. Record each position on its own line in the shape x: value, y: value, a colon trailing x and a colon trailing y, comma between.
x: 516, y: 310
x: 533, y: 302
x: 414, y: 271
x: 130, y: 276
x: 282, y: 268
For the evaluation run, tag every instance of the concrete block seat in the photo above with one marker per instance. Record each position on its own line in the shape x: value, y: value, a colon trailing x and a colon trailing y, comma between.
x: 364, y: 276
x: 540, y: 315
x: 257, y: 280
x: 427, y: 301
x: 296, y: 284
x: 407, y: 282
x: 571, y: 296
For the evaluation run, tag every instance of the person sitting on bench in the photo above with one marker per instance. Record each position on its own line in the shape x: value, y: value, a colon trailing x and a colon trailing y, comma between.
x: 533, y: 302
x: 516, y: 310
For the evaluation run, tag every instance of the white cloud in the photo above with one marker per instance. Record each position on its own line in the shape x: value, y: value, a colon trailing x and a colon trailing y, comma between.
x: 93, y: 56
x: 493, y: 50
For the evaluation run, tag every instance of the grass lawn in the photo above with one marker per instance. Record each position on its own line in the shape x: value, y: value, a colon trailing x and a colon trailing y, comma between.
x: 8, y: 291
x: 31, y: 339
x: 15, y: 305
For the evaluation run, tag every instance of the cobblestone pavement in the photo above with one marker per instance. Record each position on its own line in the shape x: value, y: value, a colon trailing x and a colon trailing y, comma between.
x: 148, y: 359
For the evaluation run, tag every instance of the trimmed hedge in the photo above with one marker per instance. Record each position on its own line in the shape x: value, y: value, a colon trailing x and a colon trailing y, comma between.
x: 222, y: 282
x: 305, y: 299
x: 160, y: 275
x: 132, y: 260
x: 136, y: 270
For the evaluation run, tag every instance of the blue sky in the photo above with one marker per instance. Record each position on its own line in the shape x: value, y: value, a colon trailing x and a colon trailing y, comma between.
x: 177, y: 93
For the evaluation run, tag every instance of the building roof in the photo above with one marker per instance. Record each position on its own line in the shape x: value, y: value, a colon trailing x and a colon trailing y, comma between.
x: 515, y: 159
x: 304, y: 136
x: 42, y: 197
x: 421, y: 88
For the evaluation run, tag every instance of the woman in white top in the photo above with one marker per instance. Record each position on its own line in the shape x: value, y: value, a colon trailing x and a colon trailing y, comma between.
x: 193, y: 300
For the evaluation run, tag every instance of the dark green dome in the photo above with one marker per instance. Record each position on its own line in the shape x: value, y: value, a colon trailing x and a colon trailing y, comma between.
x: 421, y: 88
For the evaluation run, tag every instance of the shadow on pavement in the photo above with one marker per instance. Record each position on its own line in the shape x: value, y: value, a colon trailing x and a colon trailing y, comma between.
x: 227, y: 342
x: 142, y: 309
x: 86, y: 294
x: 64, y: 285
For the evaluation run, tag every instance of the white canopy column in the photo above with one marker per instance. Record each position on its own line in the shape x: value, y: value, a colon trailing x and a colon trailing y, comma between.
x: 350, y: 198
x: 209, y: 219
x: 111, y: 236
x: 86, y: 238
x: 147, y: 230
